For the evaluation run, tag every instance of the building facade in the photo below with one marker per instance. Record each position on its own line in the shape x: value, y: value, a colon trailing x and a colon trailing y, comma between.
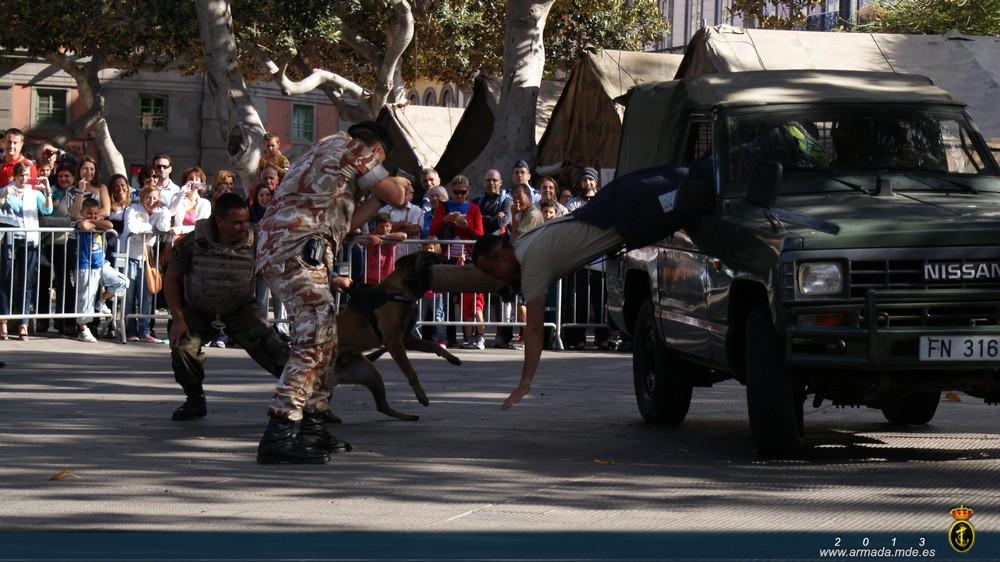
x: 688, y: 16
x: 43, y: 101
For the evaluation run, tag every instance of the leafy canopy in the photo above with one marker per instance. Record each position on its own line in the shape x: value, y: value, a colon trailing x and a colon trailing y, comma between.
x: 454, y: 39
x: 775, y: 14
x: 971, y: 17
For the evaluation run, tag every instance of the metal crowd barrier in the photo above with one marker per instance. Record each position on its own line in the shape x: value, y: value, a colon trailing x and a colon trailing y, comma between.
x: 40, y: 277
x: 579, y: 297
x: 38, y: 281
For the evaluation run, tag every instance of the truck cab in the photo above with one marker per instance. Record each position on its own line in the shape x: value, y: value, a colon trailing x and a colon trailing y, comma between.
x: 852, y: 254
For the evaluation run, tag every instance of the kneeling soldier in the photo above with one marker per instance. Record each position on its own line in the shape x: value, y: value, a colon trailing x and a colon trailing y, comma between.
x: 209, y: 287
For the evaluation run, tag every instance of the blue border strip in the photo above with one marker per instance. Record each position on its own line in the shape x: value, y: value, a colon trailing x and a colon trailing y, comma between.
x: 483, y: 547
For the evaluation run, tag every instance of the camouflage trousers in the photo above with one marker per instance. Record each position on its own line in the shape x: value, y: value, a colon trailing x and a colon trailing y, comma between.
x: 305, y: 292
x: 243, y: 326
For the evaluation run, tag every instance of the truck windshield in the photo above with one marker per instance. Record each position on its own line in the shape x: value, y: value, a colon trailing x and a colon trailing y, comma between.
x: 851, y: 142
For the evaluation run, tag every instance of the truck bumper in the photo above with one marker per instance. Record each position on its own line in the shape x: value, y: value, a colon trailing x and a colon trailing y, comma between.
x: 884, y: 332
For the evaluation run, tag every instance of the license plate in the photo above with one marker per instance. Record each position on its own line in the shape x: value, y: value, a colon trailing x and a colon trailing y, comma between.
x: 959, y: 348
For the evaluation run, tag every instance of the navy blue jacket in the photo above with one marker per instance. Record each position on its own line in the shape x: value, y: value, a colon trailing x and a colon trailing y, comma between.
x: 640, y: 205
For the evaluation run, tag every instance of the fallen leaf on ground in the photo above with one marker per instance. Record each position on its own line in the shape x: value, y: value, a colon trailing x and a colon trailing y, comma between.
x: 952, y: 397
x: 604, y: 461
x: 62, y: 474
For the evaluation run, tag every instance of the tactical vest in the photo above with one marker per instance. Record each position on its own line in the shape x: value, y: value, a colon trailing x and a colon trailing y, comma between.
x: 221, y: 276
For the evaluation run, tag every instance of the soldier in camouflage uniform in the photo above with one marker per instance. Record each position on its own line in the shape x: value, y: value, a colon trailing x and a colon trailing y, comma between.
x: 209, y: 286
x: 312, y: 211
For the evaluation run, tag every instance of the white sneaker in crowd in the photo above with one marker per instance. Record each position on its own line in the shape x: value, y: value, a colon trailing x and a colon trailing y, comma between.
x: 86, y: 336
x: 479, y: 343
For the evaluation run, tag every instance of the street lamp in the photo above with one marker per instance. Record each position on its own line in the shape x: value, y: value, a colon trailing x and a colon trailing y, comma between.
x: 146, y: 123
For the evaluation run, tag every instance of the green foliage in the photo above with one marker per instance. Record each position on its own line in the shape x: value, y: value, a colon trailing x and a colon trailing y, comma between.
x: 609, y: 24
x: 972, y: 17
x: 126, y: 33
x: 453, y: 39
x: 456, y: 38
x: 775, y: 14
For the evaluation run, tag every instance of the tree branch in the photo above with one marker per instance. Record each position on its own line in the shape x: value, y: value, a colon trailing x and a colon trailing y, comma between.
x: 67, y: 65
x: 368, y: 50
x: 398, y: 35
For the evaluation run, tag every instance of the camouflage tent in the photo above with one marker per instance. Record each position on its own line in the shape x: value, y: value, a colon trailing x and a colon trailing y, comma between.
x: 476, y: 127
x: 420, y: 134
x: 586, y: 122
x: 969, y: 67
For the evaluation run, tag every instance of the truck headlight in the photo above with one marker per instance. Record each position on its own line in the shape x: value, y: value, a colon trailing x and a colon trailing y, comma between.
x: 820, y: 278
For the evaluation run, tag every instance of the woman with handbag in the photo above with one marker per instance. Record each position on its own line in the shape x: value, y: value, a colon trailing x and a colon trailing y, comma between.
x: 19, y: 259
x: 145, y: 221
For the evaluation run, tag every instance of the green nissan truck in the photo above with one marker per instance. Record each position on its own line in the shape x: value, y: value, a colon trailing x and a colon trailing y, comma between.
x: 851, y: 256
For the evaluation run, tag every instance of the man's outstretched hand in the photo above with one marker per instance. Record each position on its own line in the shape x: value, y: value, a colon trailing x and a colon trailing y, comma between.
x: 516, y: 396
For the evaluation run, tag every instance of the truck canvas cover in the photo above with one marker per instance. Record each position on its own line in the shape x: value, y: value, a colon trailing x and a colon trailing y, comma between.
x: 420, y: 134
x: 586, y: 122
x: 664, y: 108
x: 966, y: 65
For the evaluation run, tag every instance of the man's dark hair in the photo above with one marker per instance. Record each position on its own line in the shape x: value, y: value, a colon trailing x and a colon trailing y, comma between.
x: 89, y: 203
x: 523, y: 187
x: 164, y: 156
x: 227, y: 202
x: 487, y: 245
x: 66, y: 167
x: 370, y: 132
x: 14, y: 131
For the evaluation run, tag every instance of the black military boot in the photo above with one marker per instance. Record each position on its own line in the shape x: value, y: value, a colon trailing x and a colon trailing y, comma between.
x: 279, y: 444
x: 313, y: 433
x: 192, y: 408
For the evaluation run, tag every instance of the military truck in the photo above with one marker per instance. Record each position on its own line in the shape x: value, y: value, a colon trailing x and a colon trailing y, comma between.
x: 852, y: 253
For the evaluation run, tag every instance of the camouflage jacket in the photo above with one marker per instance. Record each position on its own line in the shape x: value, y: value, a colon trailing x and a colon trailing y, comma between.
x: 316, y: 198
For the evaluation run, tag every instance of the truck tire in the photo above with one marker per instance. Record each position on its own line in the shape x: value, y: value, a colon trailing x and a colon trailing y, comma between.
x: 774, y: 401
x: 914, y: 408
x: 662, y: 380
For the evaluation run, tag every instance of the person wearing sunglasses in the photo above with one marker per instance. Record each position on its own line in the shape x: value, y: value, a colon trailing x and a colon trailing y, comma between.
x: 461, y: 219
x: 160, y: 174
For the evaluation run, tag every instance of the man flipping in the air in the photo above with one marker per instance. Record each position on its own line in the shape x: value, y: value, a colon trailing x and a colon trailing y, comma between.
x: 633, y: 211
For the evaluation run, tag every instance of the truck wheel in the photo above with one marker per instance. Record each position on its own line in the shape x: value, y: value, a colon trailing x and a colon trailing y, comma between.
x: 662, y: 380
x: 774, y: 401
x: 915, y: 408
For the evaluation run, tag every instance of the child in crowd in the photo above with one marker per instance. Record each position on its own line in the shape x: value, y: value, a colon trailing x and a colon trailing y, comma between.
x: 90, y: 244
x: 432, y: 304
x: 565, y: 196
x: 380, y: 251
x: 272, y: 155
x: 548, y: 207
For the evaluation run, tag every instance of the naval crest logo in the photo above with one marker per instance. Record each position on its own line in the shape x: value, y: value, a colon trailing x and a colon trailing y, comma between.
x: 961, y: 534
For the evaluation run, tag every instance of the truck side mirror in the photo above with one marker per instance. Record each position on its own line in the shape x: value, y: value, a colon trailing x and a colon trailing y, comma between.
x: 762, y: 190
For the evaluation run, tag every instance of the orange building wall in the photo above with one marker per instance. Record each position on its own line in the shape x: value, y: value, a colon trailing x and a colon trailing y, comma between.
x: 327, y: 120
x: 279, y: 120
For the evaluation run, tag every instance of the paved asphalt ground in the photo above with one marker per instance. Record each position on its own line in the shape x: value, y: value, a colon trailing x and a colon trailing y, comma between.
x: 575, y: 456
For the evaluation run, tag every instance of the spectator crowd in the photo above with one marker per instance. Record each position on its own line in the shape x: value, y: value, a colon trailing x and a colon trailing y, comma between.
x: 122, y: 236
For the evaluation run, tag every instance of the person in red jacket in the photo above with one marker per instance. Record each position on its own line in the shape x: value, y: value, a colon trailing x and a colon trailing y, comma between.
x: 13, y: 142
x: 461, y: 219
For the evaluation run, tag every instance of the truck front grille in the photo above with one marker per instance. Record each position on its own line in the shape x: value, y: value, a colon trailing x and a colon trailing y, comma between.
x: 904, y: 274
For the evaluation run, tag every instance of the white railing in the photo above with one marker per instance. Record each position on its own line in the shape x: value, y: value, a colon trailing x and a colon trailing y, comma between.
x: 44, y: 281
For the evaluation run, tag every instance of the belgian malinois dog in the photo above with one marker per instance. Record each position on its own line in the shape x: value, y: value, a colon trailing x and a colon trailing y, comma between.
x: 382, y: 318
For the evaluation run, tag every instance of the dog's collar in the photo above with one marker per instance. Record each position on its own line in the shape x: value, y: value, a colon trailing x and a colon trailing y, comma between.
x: 399, y: 297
